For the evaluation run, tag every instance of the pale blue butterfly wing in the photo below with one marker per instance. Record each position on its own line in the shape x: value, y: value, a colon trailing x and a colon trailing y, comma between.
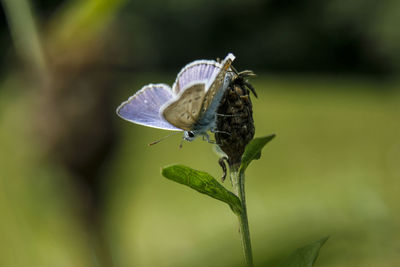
x: 199, y: 70
x: 201, y: 80
x: 184, y: 111
x: 216, y: 87
x: 144, y: 107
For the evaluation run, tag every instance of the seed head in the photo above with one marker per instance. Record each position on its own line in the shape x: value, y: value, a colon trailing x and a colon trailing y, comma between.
x: 235, y: 125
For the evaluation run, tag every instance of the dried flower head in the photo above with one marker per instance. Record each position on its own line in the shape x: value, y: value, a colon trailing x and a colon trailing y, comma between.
x: 235, y: 125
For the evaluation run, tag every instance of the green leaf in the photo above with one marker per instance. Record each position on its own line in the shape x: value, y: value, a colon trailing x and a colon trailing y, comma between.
x: 304, y: 256
x: 253, y: 150
x: 204, y: 183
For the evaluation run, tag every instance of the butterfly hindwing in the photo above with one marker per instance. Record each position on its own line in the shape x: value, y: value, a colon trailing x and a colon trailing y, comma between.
x: 144, y: 107
x: 184, y: 111
x: 199, y: 70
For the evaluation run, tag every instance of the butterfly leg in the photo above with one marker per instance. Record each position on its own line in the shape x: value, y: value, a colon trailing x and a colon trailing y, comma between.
x: 206, y: 137
x: 214, y: 130
x: 226, y: 115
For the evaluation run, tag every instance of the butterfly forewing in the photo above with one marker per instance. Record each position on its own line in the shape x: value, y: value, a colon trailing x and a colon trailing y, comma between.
x: 184, y: 111
x: 144, y: 107
x: 217, y: 85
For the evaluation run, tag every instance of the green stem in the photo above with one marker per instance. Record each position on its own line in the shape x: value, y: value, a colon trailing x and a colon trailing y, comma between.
x: 237, y: 179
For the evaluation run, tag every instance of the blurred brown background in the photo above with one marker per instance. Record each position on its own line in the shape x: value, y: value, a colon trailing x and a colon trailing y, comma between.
x: 80, y: 187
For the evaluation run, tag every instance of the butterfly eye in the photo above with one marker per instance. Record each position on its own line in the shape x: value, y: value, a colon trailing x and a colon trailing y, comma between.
x: 190, y: 134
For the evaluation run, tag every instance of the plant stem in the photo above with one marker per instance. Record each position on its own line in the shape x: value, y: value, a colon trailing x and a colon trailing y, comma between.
x: 237, y: 179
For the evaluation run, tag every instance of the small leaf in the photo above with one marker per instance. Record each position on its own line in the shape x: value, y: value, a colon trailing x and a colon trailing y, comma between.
x: 253, y: 150
x: 304, y: 256
x: 203, y: 183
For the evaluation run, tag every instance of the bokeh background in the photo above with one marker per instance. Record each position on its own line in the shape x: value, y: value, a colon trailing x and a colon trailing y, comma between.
x: 80, y: 187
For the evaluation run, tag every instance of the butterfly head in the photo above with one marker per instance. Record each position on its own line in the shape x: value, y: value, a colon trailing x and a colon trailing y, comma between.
x: 189, y: 135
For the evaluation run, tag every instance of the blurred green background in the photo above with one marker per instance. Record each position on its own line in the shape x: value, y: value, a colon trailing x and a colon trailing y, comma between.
x: 80, y: 187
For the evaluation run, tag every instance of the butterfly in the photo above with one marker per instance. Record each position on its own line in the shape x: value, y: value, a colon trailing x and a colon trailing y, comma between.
x: 189, y: 106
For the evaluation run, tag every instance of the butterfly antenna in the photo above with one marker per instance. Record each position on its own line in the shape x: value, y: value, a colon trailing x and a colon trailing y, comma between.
x: 165, y: 137
x: 181, y: 144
